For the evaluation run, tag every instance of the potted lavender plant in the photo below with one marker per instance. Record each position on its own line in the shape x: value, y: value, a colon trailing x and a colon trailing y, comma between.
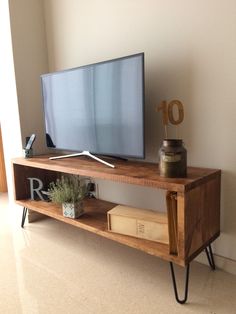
x: 70, y: 192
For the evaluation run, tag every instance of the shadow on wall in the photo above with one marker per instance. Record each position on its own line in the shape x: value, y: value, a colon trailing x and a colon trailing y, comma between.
x: 166, y: 81
x: 228, y: 201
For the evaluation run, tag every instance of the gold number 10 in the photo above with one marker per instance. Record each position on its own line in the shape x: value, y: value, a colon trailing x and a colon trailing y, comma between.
x: 168, y: 112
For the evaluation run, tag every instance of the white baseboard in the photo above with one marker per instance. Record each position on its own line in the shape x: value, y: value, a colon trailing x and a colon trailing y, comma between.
x: 221, y: 262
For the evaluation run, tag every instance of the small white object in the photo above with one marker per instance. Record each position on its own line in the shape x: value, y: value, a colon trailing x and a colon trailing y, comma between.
x: 72, y: 210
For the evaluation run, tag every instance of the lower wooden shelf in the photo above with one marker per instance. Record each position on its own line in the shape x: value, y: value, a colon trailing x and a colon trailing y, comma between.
x: 95, y: 220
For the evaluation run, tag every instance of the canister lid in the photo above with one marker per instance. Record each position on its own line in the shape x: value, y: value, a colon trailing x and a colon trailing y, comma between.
x: 172, y: 142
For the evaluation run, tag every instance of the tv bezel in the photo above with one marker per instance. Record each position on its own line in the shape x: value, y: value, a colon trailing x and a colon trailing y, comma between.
x: 142, y: 156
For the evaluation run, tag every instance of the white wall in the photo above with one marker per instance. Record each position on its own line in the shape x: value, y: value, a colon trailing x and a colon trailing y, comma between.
x: 190, y: 54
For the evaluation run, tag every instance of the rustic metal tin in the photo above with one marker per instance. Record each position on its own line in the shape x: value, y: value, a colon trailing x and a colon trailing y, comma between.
x: 173, y: 159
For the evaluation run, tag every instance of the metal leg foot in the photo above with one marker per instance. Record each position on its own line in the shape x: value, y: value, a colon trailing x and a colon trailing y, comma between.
x: 175, y: 287
x: 210, y: 257
x: 23, y: 217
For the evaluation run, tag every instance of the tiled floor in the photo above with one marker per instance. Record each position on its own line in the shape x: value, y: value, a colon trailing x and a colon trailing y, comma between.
x: 49, y: 267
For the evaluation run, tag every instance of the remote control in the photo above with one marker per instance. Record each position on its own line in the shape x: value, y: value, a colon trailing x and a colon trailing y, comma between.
x: 30, y: 142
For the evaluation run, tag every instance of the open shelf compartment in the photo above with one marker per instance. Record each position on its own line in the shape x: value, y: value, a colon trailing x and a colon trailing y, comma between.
x: 197, y: 221
x: 95, y: 220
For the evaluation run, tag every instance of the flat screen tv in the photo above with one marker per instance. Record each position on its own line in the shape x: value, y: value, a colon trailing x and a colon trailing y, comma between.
x: 97, y: 108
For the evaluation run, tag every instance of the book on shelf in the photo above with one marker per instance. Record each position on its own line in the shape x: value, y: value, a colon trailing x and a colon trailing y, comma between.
x: 140, y: 223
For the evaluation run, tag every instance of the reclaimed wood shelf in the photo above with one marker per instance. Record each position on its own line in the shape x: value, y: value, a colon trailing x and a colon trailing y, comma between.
x: 197, y: 201
x: 95, y: 220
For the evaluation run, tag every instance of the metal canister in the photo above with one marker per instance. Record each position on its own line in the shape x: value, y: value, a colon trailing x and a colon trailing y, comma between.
x: 173, y: 159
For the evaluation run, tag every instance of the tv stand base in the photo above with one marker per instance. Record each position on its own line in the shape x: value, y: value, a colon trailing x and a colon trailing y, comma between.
x: 211, y: 261
x: 210, y: 258
x: 196, y: 202
x: 84, y: 153
x: 25, y: 209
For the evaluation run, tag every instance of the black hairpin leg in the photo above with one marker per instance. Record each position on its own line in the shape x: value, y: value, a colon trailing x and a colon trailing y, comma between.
x: 23, y: 217
x: 175, y: 287
x: 210, y: 257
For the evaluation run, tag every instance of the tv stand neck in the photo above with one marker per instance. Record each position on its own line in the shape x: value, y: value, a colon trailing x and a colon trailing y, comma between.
x: 84, y: 153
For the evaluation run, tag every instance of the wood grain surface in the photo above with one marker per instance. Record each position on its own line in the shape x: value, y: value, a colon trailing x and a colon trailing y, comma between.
x: 193, y: 215
x: 133, y: 172
x: 95, y: 220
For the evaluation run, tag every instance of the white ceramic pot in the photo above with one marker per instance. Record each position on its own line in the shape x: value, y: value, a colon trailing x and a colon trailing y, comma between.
x: 73, y: 210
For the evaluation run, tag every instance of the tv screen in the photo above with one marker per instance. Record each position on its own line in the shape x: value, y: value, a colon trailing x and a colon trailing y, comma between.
x: 97, y: 108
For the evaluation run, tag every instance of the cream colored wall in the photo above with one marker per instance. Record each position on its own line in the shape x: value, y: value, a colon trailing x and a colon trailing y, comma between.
x: 30, y: 60
x: 190, y: 54
x: 9, y: 114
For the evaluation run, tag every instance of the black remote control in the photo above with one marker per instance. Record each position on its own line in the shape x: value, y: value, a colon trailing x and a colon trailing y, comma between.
x: 30, y: 142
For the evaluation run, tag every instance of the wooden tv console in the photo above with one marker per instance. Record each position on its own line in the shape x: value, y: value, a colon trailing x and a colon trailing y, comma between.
x: 192, y: 228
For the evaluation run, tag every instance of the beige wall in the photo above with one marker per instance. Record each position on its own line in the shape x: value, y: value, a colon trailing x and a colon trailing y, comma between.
x: 190, y: 51
x: 190, y: 54
x: 30, y: 60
